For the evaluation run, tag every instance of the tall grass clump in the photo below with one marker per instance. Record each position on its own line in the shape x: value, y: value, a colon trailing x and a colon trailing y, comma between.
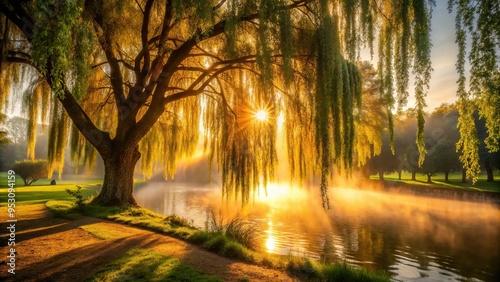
x: 237, y: 228
x: 344, y: 272
x: 307, y: 269
x: 235, y: 238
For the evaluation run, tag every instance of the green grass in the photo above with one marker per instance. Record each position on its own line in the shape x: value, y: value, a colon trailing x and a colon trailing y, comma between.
x: 36, y: 194
x: 173, y: 225
x: 237, y: 228
x: 218, y: 242
x: 346, y: 273
x: 438, y: 181
x: 102, y: 233
x: 136, y: 216
x: 147, y: 265
x: 63, y: 209
x: 224, y: 243
x: 307, y: 269
x: 88, y: 181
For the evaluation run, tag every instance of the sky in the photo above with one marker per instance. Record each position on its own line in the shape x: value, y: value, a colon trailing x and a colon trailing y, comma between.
x: 443, y: 86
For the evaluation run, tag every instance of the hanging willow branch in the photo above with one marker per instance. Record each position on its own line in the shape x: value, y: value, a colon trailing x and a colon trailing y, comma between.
x: 479, y: 21
x: 142, y: 74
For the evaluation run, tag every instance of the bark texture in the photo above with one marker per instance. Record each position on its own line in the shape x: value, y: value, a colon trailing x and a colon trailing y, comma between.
x: 118, y: 186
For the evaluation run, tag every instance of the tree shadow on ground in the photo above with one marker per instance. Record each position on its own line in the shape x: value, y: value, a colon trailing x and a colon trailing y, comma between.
x: 79, y: 263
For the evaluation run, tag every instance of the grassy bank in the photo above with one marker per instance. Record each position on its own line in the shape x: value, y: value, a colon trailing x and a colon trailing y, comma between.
x: 134, y: 265
x: 455, y: 181
x: 224, y: 242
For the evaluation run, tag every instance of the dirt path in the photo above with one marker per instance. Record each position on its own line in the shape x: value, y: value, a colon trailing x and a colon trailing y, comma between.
x: 54, y: 249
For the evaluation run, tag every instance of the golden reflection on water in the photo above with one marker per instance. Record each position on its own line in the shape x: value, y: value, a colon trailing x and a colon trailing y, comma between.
x: 270, y: 243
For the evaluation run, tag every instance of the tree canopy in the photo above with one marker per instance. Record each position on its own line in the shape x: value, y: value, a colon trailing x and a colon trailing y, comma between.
x: 148, y: 79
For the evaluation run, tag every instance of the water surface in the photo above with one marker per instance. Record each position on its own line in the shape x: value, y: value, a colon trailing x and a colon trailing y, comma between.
x: 414, y: 238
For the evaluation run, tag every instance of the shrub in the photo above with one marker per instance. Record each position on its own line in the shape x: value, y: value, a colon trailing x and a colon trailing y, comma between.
x: 31, y: 171
x: 79, y: 203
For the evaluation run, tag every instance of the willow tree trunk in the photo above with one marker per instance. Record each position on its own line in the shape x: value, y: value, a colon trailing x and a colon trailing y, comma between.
x: 118, y: 186
x: 413, y: 175
x: 429, y: 175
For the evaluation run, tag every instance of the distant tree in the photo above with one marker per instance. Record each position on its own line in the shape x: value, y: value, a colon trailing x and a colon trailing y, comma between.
x: 3, y: 134
x: 406, y: 149
x: 441, y: 157
x: 442, y: 132
x: 404, y: 137
x: 411, y: 160
x: 17, y: 127
x: 31, y: 170
x: 18, y: 151
x: 4, y: 141
x: 385, y: 162
x: 448, y: 160
x: 371, y: 120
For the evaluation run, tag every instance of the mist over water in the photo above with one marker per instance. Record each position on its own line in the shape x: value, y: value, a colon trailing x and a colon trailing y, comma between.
x: 414, y: 238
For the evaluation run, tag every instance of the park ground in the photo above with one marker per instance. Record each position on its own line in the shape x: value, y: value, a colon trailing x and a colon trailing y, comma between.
x: 54, y: 246
x: 56, y: 249
x: 51, y: 248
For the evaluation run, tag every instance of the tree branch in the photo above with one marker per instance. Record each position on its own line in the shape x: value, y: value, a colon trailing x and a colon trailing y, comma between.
x: 144, y: 39
x: 11, y: 59
x: 19, y: 17
x: 116, y: 75
x: 158, y: 86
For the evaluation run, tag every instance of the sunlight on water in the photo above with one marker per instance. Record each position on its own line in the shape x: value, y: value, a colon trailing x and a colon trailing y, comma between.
x: 270, y: 244
x: 414, y: 238
x: 276, y: 193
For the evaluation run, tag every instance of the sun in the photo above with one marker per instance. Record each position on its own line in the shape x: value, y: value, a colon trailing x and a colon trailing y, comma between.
x: 261, y: 115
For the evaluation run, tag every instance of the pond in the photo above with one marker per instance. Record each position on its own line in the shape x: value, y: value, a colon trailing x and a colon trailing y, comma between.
x: 413, y: 238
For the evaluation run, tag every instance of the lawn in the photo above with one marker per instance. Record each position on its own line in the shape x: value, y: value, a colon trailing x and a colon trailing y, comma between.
x: 136, y: 264
x: 147, y: 265
x: 438, y: 181
x: 41, y: 191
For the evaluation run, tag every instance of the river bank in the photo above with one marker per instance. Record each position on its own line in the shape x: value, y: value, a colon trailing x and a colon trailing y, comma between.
x: 428, y: 190
x: 55, y: 249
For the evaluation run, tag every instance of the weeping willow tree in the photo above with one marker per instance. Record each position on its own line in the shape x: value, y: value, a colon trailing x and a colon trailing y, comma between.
x: 478, y: 21
x: 150, y: 79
